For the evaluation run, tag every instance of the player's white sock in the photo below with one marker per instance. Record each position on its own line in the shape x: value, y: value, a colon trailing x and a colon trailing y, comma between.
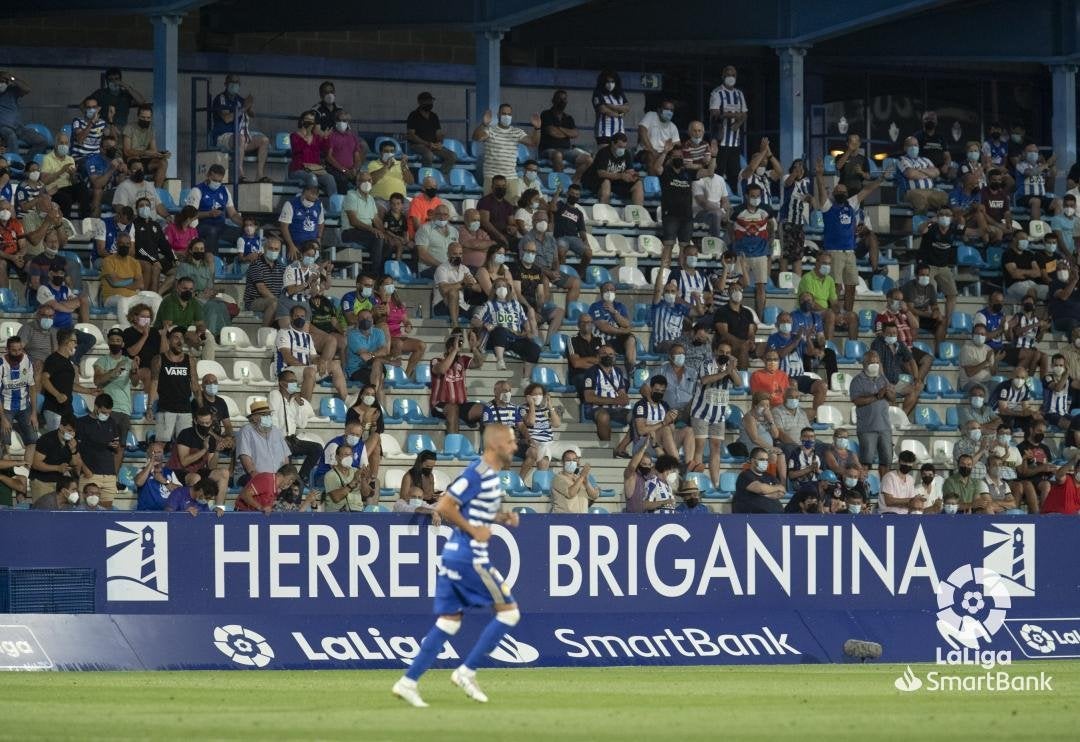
x: 407, y: 682
x: 466, y: 671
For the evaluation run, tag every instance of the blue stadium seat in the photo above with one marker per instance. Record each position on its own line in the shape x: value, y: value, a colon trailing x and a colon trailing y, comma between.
x: 458, y: 148
x: 928, y: 418
x: 641, y: 375
x: 456, y: 447
x: 994, y: 257
x: 78, y: 405
x: 573, y: 311
x: 379, y: 143
x: 396, y: 378
x: 557, y: 346
x: 949, y: 352
x: 523, y: 154
x: 969, y: 256
x: 376, y: 509
x: 1036, y: 386
x: 336, y: 202
x: 541, y: 481
x: 952, y: 417
x: 415, y: 443
x: 854, y: 350
x: 735, y: 417
x: 138, y: 405
x: 15, y: 161
x: 512, y: 484
x: 595, y: 275
x: 401, y: 273
x: 881, y: 283
x: 409, y: 410
x: 557, y: 179
x: 524, y: 510
x: 960, y: 323
x: 126, y: 477
x: 422, y: 374
x: 549, y: 377
x: 333, y: 408
x: 701, y: 479
x: 463, y: 181
x: 727, y: 484
x: 43, y: 130
x: 924, y: 347
x: 598, y: 510
x: 652, y: 186
x: 281, y: 144
x: 645, y: 355
x: 220, y: 272
x: 938, y: 386
x: 873, y: 482
x: 426, y: 172
x: 830, y: 164
x: 866, y: 320
x: 642, y: 315
x: 770, y: 314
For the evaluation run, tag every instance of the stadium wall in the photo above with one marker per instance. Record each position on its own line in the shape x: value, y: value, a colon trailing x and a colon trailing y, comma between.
x: 288, y: 591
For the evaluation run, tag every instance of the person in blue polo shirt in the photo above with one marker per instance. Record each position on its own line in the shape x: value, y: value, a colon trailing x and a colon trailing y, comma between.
x: 214, y: 202
x: 194, y: 499
x: 301, y: 218
x: 155, y: 481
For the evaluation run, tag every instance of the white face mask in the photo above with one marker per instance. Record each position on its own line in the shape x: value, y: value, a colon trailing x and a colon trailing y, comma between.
x: 873, y: 369
x: 505, y: 397
x: 609, y: 296
x: 501, y: 292
x: 679, y: 359
x: 73, y: 497
x: 950, y: 508
x: 570, y: 467
x: 730, y: 81
x: 368, y: 400
x: 1070, y: 211
x: 34, y: 176
x: 352, y: 440
x: 541, y: 226
x: 924, y: 280
x: 854, y: 508
x: 978, y: 402
x: 669, y: 298
x: 1063, y: 275
x: 1017, y: 383
x: 505, y: 120
x: 761, y: 466
x: 1058, y: 370
x: 473, y: 226
x: 691, y: 261
x: 825, y: 269
x: 945, y: 221
x: 92, y: 501
x: 341, y: 125
x: 672, y: 478
x: 365, y: 187
x: 850, y: 482
x: 145, y: 212
x: 975, y: 434
x: 5, y: 214
x: 841, y: 443
x: 754, y: 201
x: 785, y: 327
x: 346, y: 464
x: 978, y: 339
x: 537, y: 399
x: 736, y: 297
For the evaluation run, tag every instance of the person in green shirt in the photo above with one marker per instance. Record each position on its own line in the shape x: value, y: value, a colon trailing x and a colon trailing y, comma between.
x: 114, y: 374
x: 181, y: 309
x: 198, y: 265
x: 972, y: 492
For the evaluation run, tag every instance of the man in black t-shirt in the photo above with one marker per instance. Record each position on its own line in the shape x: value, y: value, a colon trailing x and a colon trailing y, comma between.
x: 582, y: 353
x: 612, y: 171
x: 757, y: 491
x: 58, y: 380
x: 99, y: 440
x: 56, y: 454
x: 1024, y: 271
x: 570, y: 232
x: 207, y: 397
x: 424, y: 132
x: 558, y: 133
x: 676, y: 202
x: 530, y: 284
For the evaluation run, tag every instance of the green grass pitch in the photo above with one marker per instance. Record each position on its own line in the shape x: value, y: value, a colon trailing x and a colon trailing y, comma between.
x: 806, y: 702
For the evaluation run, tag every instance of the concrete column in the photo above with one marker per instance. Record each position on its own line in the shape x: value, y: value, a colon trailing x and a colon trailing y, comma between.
x: 488, y: 72
x: 792, y: 104
x: 167, y: 85
x: 1063, y: 123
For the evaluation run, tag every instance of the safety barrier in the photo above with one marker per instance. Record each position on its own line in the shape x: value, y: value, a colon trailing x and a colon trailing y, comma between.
x: 354, y: 591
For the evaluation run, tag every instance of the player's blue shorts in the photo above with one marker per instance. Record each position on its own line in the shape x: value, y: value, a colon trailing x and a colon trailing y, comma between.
x: 462, y: 585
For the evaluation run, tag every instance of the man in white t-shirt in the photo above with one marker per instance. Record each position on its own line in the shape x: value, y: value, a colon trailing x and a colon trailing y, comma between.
x: 657, y: 135
x: 129, y: 191
x: 898, y: 488
x: 928, y: 487
x: 711, y: 203
x: 500, y: 147
x: 452, y: 280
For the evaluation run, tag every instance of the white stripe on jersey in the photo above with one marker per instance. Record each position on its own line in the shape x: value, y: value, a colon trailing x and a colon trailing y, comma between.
x: 1058, y: 403
x: 710, y: 401
x: 479, y: 506
x: 723, y: 99
x: 688, y: 284
x: 16, y: 384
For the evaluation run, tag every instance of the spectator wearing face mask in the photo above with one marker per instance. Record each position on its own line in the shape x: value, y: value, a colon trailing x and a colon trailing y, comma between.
x: 344, y: 151
x: 920, y: 295
x: 612, y: 172
x: 155, y: 481
x: 920, y: 173
x: 418, y: 483
x: 302, y: 217
x: 528, y: 283
x: 690, y: 496
x: 970, y: 490
x: 605, y: 399
x: 898, y: 488
x: 839, y: 457
x: 475, y: 241
x: 434, y: 239
x: 896, y: 359
x: 64, y: 496
x: 676, y: 201
x: 537, y: 420
x: 762, y: 170
x: 292, y: 413
x: 212, y: 199
x: 756, y: 490
x: 1024, y: 267
x: 682, y: 381
x: 978, y: 411
x: 793, y: 348
x: 759, y: 430
x: 570, y: 489
x: 736, y: 326
x: 1063, y: 301
x: 114, y: 374
x: 571, y: 234
x: 728, y: 113
x: 390, y: 174
x: 117, y: 98
x: 709, y: 408
x: 558, y: 137
x: 938, y: 250
x: 978, y: 360
x: 122, y: 279
x: 611, y: 322
x: 660, y: 489
x: 999, y: 493
x: 425, y: 135
x: 182, y: 229
x: 139, y: 143
x: 343, y: 484
x: 13, y: 243
x: 368, y: 348
x: 1059, y: 390
x: 152, y: 249
x: 99, y: 442
x: 1032, y: 172
x: 872, y: 394
x: 668, y: 313
x: 56, y: 457
x: 973, y: 443
x: 657, y: 135
x: 18, y: 397
x: 790, y: 421
x: 87, y: 129
x: 752, y: 235
x: 1026, y: 329
x: 365, y: 225
x: 260, y: 447
x: 1065, y: 223
x: 135, y: 188
x: 298, y: 351
x: 505, y: 320
x: 1036, y: 464
x: 501, y: 138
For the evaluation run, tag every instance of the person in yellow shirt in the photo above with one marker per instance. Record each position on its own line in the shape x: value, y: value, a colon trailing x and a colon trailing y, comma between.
x: 57, y: 173
x: 389, y: 176
x: 121, y: 276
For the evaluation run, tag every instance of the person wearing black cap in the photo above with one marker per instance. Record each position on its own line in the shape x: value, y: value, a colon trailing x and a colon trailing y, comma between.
x: 424, y: 132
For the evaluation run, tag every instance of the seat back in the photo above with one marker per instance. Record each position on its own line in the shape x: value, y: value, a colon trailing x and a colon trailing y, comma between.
x: 235, y: 337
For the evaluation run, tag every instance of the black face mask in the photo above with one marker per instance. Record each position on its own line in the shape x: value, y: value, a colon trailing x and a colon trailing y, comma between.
x: 927, y: 478
x: 203, y: 429
x: 691, y: 502
x: 929, y: 128
x: 4, y: 171
x: 137, y: 176
x: 498, y: 192
x: 123, y: 251
x: 805, y: 306
x: 299, y: 322
x: 144, y: 124
x: 995, y: 135
x: 571, y: 200
x: 813, y: 507
x: 1029, y: 307
x: 559, y: 105
x: 677, y: 163
x: 185, y: 295
x: 1037, y: 437
x: 698, y: 342
x: 116, y: 349
x: 56, y: 280
x: 607, y: 361
x: 364, y: 324
x: 996, y: 308
x: 722, y: 360
x: 111, y: 153
x: 427, y: 106
x: 996, y: 185
x: 455, y: 261
x: 657, y: 396
x: 905, y: 468
x: 198, y: 255
x: 644, y: 470
x: 431, y: 192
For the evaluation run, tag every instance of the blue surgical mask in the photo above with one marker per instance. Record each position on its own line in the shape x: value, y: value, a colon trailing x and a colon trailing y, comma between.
x: 292, y: 387
x: 807, y: 444
x: 211, y: 389
x: 619, y: 151
x: 760, y: 465
x: 791, y: 404
x: 785, y: 327
x: 366, y: 291
x: 950, y: 508
x: 667, y: 114
x: 679, y: 359
x: 850, y: 482
x: 266, y: 421
x: 46, y: 322
x: 973, y: 156
x: 352, y: 440
x: 1031, y: 157
x: 389, y: 289
x: 912, y: 152
x: 309, y: 260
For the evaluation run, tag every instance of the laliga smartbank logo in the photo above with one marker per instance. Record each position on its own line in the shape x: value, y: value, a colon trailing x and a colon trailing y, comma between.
x: 972, y: 604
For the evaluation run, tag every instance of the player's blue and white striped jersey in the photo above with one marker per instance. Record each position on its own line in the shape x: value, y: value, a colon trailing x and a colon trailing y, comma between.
x: 728, y: 100
x: 16, y: 383
x: 479, y: 493
x: 1056, y: 403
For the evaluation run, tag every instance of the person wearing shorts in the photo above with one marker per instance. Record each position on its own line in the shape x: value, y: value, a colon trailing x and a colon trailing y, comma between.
x: 751, y: 244
x: 676, y: 201
x: 605, y: 399
x: 612, y: 173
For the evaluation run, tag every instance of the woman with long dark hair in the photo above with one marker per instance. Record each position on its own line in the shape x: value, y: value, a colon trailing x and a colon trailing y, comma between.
x: 610, y: 105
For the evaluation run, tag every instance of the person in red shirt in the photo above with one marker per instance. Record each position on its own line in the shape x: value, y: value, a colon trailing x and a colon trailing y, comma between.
x: 771, y: 380
x: 1064, y: 496
x: 261, y: 491
x: 13, y: 243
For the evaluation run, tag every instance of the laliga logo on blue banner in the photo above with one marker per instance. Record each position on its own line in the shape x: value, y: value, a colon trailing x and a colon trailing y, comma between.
x: 971, y: 606
x: 243, y: 646
x: 137, y: 567
x: 1046, y: 638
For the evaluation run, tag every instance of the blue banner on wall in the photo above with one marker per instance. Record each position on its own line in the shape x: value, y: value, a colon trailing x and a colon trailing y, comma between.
x: 298, y: 591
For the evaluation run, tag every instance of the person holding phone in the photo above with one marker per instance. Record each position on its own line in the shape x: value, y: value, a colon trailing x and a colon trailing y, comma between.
x: 99, y: 440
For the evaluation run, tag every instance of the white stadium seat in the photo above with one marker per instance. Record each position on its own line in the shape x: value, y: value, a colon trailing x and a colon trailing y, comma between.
x: 649, y: 244
x: 202, y: 368
x: 631, y: 275
x: 391, y: 449
x: 251, y: 373
x: 616, y: 244
x: 607, y: 215
x: 640, y: 216
x: 8, y: 328
x: 917, y: 448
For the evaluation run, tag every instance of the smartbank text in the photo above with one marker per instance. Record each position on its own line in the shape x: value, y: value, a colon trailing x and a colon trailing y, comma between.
x: 295, y: 561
